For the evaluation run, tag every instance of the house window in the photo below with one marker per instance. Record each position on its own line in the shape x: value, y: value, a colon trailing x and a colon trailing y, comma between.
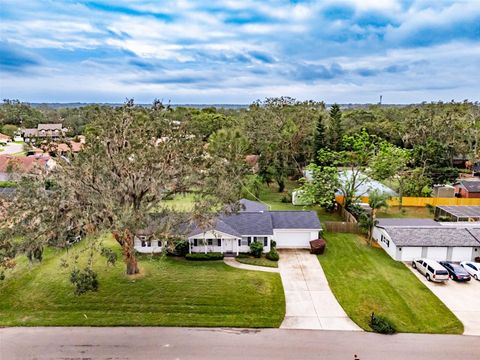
x: 239, y: 242
x: 245, y: 241
x: 195, y: 242
x: 249, y: 241
x: 265, y: 241
x: 219, y: 242
x: 159, y: 243
x: 144, y: 243
x: 149, y: 243
x: 210, y: 241
x: 385, y: 240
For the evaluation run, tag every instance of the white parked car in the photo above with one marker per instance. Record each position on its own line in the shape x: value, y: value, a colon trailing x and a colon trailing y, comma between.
x: 432, y: 270
x: 473, y: 268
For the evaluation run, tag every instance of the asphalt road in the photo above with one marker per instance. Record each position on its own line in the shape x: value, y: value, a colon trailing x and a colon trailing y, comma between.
x: 12, y: 148
x: 200, y: 343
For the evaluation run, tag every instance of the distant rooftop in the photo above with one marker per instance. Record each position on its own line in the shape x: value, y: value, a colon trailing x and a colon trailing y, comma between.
x: 459, y: 212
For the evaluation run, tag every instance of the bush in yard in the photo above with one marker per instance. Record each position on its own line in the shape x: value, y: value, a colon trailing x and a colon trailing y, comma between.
x: 204, y: 257
x: 181, y: 247
x: 256, y: 249
x: 84, y: 281
x: 272, y: 255
x: 110, y: 255
x: 273, y: 244
x: 381, y: 324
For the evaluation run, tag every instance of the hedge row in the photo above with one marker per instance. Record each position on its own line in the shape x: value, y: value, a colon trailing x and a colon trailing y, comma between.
x: 204, y: 257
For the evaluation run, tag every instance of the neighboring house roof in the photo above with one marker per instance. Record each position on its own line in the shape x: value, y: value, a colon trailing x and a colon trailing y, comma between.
x: 4, y: 137
x: 252, y: 206
x: 397, y: 222
x: 30, y: 132
x: 22, y: 163
x: 367, y: 186
x: 472, y: 186
x: 438, y: 236
x: 72, y: 146
x: 295, y: 220
x: 56, y: 126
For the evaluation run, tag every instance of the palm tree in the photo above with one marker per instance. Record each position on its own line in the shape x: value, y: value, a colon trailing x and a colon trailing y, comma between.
x: 376, y: 200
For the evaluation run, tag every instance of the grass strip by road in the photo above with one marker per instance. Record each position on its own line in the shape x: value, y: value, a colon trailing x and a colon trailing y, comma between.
x: 365, y: 279
x: 168, y: 292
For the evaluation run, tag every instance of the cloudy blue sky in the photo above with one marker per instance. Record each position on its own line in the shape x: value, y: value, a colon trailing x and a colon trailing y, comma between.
x: 226, y: 51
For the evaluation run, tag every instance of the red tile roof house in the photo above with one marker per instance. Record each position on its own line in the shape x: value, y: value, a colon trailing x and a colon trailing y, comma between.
x: 468, y: 189
x: 10, y: 165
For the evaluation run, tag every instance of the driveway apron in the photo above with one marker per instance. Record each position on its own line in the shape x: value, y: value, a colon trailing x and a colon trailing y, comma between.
x: 310, y: 302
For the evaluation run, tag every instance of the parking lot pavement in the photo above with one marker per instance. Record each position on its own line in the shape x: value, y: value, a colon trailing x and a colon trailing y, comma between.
x: 462, y: 298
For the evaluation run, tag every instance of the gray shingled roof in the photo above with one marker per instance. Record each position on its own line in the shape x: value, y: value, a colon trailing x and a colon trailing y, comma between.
x: 219, y: 225
x: 250, y: 223
x: 471, y: 186
x: 439, y: 236
x: 252, y: 206
x: 295, y: 220
x: 397, y: 222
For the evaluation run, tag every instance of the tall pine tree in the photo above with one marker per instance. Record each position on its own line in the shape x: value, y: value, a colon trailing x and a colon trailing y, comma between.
x: 319, y: 140
x: 335, y: 129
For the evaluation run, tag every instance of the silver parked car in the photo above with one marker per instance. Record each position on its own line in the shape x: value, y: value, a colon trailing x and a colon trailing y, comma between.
x: 432, y: 270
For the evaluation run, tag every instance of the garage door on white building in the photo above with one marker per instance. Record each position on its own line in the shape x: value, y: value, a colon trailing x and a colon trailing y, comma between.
x: 293, y: 239
x: 411, y: 252
x: 437, y: 253
x: 461, y: 254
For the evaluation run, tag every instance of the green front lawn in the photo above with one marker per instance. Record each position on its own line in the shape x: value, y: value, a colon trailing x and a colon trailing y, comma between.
x: 250, y: 260
x: 168, y: 292
x: 365, y: 279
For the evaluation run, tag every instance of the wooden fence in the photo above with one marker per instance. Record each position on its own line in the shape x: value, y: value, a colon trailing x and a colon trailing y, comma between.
x: 422, y: 201
x: 340, y: 226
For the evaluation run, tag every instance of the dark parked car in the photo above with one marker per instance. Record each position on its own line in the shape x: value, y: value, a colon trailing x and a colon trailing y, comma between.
x: 455, y: 271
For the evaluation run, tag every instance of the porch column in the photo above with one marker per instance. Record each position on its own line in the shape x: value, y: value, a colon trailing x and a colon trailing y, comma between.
x: 189, y: 246
x: 221, y: 246
x: 236, y: 240
x: 205, y: 244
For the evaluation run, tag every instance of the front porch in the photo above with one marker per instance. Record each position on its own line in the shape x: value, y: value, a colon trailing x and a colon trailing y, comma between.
x: 224, y: 243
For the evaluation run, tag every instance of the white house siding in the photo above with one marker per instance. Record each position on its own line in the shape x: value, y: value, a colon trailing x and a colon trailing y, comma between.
x: 155, y: 246
x: 294, y: 238
x: 437, y: 253
x: 408, y: 253
x: 461, y: 254
x: 381, y: 236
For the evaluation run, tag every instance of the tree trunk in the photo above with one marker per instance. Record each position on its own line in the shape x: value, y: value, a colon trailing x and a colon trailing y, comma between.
x: 126, y: 241
x: 281, y: 185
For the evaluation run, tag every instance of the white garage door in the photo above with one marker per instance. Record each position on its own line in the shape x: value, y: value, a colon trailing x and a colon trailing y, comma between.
x: 437, y: 253
x: 461, y: 254
x: 292, y: 239
x: 410, y: 253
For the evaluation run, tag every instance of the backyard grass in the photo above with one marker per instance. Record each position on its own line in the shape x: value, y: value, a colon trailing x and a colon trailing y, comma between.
x: 263, y: 261
x: 167, y: 292
x: 405, y: 212
x: 365, y: 280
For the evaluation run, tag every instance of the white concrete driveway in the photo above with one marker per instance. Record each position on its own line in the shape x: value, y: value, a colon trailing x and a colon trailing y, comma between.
x: 310, y: 302
x: 11, y: 148
x: 463, y: 299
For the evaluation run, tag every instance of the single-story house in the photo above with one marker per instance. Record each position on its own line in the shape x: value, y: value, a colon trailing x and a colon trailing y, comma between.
x: 408, y: 239
x: 233, y: 233
x: 23, y: 164
x: 365, y: 184
x: 467, y: 189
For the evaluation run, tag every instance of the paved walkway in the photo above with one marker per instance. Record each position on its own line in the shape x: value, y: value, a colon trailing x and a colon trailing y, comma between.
x: 310, y: 302
x: 463, y: 299
x: 234, y: 263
